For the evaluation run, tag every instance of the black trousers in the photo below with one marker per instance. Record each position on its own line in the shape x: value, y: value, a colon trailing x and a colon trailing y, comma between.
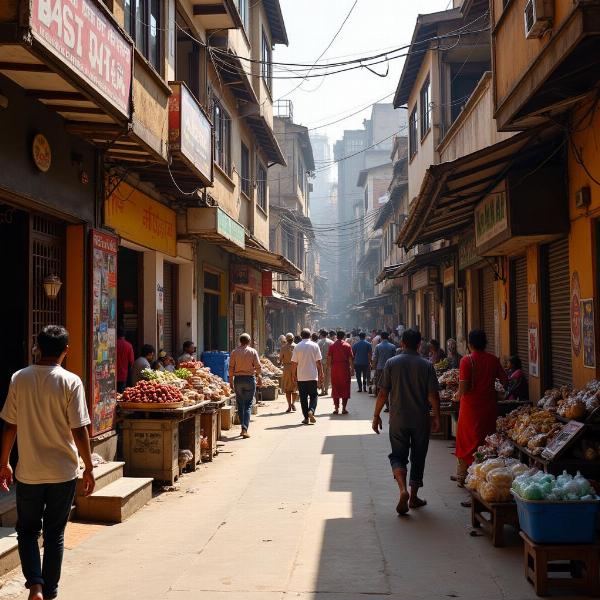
x: 308, y: 389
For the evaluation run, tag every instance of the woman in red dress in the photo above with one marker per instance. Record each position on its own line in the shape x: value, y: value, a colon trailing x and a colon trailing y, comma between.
x: 341, y: 366
x: 478, y: 400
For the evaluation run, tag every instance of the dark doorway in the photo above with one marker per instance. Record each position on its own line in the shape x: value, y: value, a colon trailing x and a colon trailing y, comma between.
x: 211, y: 322
x: 129, y: 296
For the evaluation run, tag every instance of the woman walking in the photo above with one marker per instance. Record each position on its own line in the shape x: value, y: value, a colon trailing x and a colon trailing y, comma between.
x: 341, y: 366
x: 478, y: 400
x: 290, y: 389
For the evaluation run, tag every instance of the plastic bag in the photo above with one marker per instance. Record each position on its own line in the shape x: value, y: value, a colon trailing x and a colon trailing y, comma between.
x: 491, y: 493
x: 501, y: 478
x: 490, y: 465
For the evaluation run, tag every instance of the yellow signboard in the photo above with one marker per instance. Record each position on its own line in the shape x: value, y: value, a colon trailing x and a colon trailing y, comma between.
x: 140, y: 219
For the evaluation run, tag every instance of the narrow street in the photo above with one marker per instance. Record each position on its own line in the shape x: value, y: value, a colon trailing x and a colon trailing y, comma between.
x: 296, y: 511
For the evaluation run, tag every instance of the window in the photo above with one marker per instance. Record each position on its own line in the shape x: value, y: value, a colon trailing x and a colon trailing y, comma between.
x: 222, y: 124
x: 244, y: 10
x: 245, y: 170
x: 212, y: 281
x: 261, y: 186
x: 425, y: 107
x: 301, y: 176
x: 412, y: 132
x: 266, y: 58
x: 143, y: 22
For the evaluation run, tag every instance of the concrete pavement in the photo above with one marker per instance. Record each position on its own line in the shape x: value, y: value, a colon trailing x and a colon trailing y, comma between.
x: 305, y: 512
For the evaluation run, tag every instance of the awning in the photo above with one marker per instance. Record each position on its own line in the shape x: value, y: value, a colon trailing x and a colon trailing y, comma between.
x: 375, y: 301
x: 266, y: 139
x: 387, y: 273
x: 278, y: 300
x: 426, y: 259
x: 234, y: 75
x: 266, y: 259
x: 450, y: 190
x: 276, y: 22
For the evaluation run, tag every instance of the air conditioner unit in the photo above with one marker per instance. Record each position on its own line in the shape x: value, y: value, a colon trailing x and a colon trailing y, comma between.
x: 538, y: 17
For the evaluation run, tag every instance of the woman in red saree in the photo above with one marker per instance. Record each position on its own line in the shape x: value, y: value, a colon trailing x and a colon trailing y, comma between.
x: 341, y: 366
x: 478, y: 400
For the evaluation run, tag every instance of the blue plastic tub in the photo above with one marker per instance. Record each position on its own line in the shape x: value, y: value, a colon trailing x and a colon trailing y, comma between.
x: 218, y: 363
x: 558, y: 522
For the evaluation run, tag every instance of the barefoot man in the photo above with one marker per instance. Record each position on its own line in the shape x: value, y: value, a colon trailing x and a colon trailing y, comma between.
x: 410, y: 384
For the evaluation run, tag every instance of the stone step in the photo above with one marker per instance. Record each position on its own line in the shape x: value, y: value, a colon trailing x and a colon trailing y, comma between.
x: 8, y: 508
x: 115, y: 502
x: 9, y: 551
x: 105, y: 474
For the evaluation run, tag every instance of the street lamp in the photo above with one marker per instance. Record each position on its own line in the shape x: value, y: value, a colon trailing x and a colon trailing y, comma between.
x: 52, y: 284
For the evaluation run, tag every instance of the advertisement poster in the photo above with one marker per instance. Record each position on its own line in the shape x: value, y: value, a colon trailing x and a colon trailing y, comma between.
x: 576, y: 314
x: 534, y: 352
x: 103, y: 338
x: 588, y: 333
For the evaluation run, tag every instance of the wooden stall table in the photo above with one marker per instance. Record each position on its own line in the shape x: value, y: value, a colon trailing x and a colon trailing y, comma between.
x: 153, y: 437
x: 209, y: 418
x: 500, y: 514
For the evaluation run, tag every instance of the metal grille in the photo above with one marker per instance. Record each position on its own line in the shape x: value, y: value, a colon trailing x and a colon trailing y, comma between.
x: 520, y: 342
x: 48, y: 258
x: 561, y: 370
x: 168, y: 308
x: 488, y: 306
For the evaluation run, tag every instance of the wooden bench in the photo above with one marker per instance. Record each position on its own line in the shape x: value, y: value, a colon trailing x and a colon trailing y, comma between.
x: 578, y: 562
x: 500, y: 514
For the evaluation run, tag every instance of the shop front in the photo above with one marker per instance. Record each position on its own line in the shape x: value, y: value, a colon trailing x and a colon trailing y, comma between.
x: 247, y: 304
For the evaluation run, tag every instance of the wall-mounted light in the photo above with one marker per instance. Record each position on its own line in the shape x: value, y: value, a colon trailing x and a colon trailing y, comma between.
x: 52, y: 284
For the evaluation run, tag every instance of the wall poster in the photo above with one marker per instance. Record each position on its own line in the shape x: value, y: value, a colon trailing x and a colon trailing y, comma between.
x: 575, y: 314
x: 534, y: 352
x: 103, y: 335
x: 588, y: 333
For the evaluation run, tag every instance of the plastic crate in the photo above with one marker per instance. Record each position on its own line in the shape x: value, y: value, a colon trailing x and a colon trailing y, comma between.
x: 218, y: 363
x: 558, y: 522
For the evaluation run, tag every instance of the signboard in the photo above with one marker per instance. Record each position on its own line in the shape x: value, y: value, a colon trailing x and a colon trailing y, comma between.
x: 491, y: 218
x: 467, y: 253
x: 190, y: 131
x: 267, y: 284
x: 568, y: 434
x: 575, y: 314
x: 588, y: 333
x: 448, y: 276
x: 83, y: 37
x: 423, y: 278
x: 103, y: 332
x: 140, y: 219
x: 245, y: 276
x: 214, y: 223
x: 230, y: 229
x: 534, y: 352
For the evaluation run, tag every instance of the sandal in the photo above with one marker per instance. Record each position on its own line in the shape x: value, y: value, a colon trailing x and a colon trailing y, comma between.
x: 418, y: 503
x: 288, y: 410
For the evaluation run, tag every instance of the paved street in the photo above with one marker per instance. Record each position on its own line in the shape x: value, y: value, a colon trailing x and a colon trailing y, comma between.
x: 295, y: 512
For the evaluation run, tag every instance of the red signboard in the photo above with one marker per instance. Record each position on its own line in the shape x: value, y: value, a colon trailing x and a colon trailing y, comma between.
x: 267, y: 284
x: 82, y: 36
x: 103, y: 331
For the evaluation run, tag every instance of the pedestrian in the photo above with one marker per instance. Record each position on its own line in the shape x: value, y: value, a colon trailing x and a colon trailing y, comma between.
x: 314, y: 337
x: 478, y: 400
x: 362, y: 352
x: 341, y: 365
x: 436, y: 354
x: 297, y: 339
x: 290, y: 389
x: 410, y: 385
x: 517, y: 388
x: 324, y: 344
x: 143, y: 361
x: 244, y: 372
x: 125, y: 360
x: 383, y: 352
x: 46, y: 412
x: 375, y: 339
x: 452, y: 354
x: 189, y: 352
x: 332, y: 336
x: 307, y: 371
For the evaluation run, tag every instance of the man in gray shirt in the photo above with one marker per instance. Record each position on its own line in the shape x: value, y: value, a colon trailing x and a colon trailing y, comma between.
x: 324, y: 344
x: 410, y: 384
x: 383, y: 352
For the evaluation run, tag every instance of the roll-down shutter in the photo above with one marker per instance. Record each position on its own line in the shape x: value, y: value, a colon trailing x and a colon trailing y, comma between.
x: 168, y: 308
x: 520, y: 342
x: 561, y: 371
x: 488, y: 307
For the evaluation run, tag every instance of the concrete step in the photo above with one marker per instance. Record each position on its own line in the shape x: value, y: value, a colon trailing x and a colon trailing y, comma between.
x: 105, y: 474
x: 115, y: 502
x: 9, y: 551
x: 8, y: 508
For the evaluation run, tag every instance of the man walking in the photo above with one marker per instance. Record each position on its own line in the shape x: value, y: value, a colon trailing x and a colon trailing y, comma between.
x: 47, y: 413
x: 410, y: 383
x: 324, y: 344
x: 244, y: 372
x: 383, y: 352
x: 307, y: 370
x: 362, y: 360
x: 341, y: 364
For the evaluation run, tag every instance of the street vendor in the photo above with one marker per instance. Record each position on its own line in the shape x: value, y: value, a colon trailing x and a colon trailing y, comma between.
x: 189, y: 352
x: 436, y: 354
x: 478, y: 400
x: 452, y: 354
x: 517, y: 388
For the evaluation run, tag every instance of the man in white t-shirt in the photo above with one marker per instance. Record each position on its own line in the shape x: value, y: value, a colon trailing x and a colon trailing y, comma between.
x: 46, y: 412
x: 307, y: 371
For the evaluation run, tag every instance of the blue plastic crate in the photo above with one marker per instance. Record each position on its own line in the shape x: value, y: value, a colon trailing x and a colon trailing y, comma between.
x: 558, y: 522
x: 218, y: 363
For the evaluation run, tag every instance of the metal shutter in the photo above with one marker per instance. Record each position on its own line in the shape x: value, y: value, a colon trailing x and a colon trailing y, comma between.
x: 520, y: 343
x: 488, y: 305
x: 168, y: 308
x: 561, y: 370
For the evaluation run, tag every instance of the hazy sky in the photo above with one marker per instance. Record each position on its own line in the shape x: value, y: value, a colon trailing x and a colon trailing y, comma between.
x: 374, y: 25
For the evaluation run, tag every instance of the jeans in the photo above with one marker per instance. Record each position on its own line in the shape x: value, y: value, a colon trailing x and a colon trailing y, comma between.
x: 245, y: 388
x: 362, y: 376
x: 413, y: 441
x: 43, y: 507
x: 308, y: 389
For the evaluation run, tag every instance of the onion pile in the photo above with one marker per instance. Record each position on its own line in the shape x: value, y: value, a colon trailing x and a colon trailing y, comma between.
x: 152, y: 392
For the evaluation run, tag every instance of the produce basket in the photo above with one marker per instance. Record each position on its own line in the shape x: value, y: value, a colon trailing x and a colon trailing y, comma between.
x: 149, y: 405
x: 551, y: 522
